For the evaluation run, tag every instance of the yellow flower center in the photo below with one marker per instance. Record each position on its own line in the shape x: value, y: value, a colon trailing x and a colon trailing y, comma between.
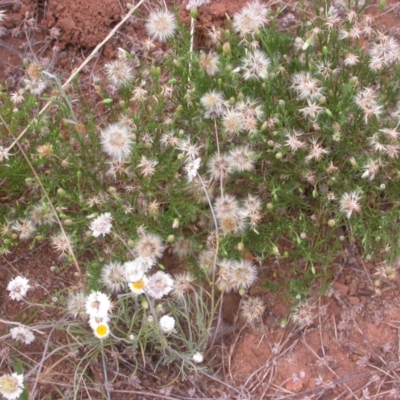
x: 138, y: 285
x: 102, y: 330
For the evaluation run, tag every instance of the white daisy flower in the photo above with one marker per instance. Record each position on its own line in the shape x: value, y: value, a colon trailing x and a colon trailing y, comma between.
x: 98, y: 304
x: 101, y: 225
x: 18, y: 287
x: 22, y: 334
x: 11, y: 386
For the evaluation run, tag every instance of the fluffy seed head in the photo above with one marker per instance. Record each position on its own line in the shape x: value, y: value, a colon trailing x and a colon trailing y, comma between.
x: 242, y: 274
x: 303, y: 315
x: 119, y: 72
x: 62, y: 243
x: 161, y: 25
x: 219, y: 166
x: 42, y: 214
x: 233, y: 122
x: 241, y: 159
x: 76, y: 305
x: 248, y: 21
x: 150, y: 246
x: 252, y: 309
x: 214, y: 104
x: 101, y: 225
x: 226, y: 205
x: 209, y: 63
x: 116, y: 141
x: 182, y: 284
x: 183, y: 247
x: 350, y: 202
x: 113, y: 276
x: 255, y: 65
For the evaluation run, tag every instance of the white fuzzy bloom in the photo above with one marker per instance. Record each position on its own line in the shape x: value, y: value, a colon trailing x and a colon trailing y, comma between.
x: 161, y: 25
x: 11, y: 386
x: 191, y: 167
x: 4, y: 153
x: 350, y: 202
x: 116, y: 141
x: 167, y: 324
x: 198, y: 357
x: 159, y: 285
x: 18, y: 287
x: 119, y: 72
x: 98, y: 305
x: 134, y: 270
x: 101, y: 225
x: 22, y: 334
x: 196, y: 4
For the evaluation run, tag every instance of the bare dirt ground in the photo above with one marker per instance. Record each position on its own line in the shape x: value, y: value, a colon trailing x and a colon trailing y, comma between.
x: 350, y: 349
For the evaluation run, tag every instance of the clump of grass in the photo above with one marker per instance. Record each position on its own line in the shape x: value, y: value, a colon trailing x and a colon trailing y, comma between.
x: 269, y: 135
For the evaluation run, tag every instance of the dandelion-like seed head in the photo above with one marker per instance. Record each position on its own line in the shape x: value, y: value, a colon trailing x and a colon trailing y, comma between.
x: 255, y: 65
x: 113, y: 276
x: 206, y: 261
x: 116, y: 141
x: 350, y: 202
x: 303, y: 315
x: 182, y: 284
x: 182, y: 247
x: 149, y: 245
x: 232, y: 223
x: 119, y: 72
x: 241, y: 159
x: 219, y: 166
x: 252, y: 309
x: 160, y: 284
x: 242, y: 274
x: 213, y: 103
x: 161, y: 25
x: 25, y: 228
x: 18, y: 288
x: 209, y: 62
x: 11, y: 386
x: 253, y: 17
x: 76, y: 305
x: 62, y: 243
x: 226, y: 205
